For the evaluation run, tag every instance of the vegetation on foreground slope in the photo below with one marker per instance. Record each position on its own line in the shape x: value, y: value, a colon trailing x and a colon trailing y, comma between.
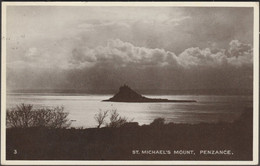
x: 122, y: 139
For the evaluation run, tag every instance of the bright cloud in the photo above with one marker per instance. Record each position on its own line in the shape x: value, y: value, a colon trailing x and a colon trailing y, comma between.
x: 122, y: 53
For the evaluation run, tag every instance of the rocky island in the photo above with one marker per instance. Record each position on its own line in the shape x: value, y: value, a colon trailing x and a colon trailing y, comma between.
x: 126, y: 94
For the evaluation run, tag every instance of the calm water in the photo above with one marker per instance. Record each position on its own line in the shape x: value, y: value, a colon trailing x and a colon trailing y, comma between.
x: 82, y: 108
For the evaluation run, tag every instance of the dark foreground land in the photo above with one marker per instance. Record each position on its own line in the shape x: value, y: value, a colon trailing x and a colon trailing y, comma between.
x: 119, y: 143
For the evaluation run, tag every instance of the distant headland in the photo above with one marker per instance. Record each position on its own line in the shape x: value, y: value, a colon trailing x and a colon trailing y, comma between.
x: 126, y: 94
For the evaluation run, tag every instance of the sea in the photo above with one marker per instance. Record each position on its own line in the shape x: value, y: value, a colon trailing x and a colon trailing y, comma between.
x: 83, y: 107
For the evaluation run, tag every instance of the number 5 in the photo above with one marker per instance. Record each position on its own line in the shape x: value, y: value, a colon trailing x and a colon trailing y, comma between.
x: 15, y: 151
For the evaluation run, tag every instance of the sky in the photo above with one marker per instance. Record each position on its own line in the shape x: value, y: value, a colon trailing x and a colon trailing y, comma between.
x: 101, y: 48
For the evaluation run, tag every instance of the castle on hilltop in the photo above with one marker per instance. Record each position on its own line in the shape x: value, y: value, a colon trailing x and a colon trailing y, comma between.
x: 126, y: 94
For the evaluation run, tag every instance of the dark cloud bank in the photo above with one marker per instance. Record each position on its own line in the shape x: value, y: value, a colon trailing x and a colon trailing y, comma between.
x: 107, y: 67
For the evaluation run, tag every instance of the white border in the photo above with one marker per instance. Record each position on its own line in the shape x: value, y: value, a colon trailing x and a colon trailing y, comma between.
x: 255, y: 5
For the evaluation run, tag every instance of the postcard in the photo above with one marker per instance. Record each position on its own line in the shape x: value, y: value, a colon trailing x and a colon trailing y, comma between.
x: 136, y: 83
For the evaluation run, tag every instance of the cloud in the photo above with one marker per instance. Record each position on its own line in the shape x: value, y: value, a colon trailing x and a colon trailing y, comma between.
x: 239, y: 49
x: 121, y: 53
x: 146, y: 47
x: 119, y: 62
x: 101, y: 25
x: 237, y: 54
x: 32, y: 52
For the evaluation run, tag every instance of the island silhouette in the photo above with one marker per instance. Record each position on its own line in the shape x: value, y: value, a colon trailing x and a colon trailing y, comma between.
x: 126, y: 94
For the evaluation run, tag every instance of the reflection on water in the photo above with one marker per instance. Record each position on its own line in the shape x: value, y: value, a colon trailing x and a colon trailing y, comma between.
x: 82, y: 108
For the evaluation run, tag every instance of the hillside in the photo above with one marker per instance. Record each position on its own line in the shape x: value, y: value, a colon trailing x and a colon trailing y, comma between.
x: 126, y: 94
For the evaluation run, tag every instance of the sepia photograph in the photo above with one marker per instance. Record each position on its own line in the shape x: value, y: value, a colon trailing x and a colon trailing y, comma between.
x: 137, y: 83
